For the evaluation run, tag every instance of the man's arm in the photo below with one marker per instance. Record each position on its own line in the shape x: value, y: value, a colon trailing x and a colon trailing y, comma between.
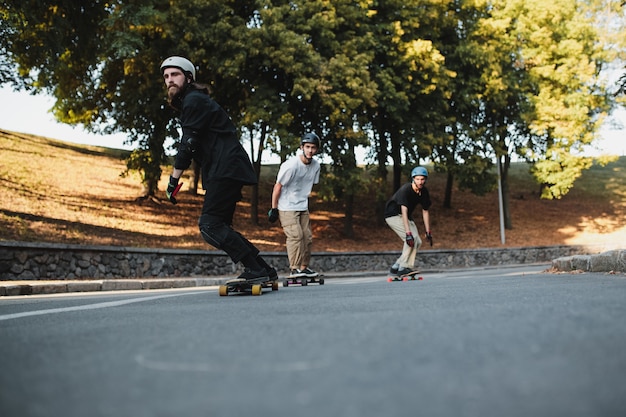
x: 426, y: 217
x: 278, y: 187
x: 273, y: 213
x: 173, y: 186
x: 177, y: 173
x: 182, y: 161
x: 404, y: 210
x: 410, y: 240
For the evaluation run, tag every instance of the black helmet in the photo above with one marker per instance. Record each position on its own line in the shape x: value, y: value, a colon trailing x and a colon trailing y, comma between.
x: 310, y: 138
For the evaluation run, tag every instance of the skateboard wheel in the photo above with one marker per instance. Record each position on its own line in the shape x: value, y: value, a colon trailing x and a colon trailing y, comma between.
x: 304, y: 282
x: 275, y: 286
x: 389, y: 279
x: 257, y: 289
x: 420, y: 278
x: 223, y: 290
x: 286, y: 283
x: 405, y: 278
x: 321, y: 281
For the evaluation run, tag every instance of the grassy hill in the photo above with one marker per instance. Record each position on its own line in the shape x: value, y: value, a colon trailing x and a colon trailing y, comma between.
x: 53, y: 191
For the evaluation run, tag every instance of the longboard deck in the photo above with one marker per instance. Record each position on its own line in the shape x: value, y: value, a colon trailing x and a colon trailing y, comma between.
x: 240, y: 285
x: 303, y: 281
x: 411, y: 276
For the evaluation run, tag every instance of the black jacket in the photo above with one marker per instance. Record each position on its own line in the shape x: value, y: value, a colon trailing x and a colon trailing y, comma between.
x: 210, y: 138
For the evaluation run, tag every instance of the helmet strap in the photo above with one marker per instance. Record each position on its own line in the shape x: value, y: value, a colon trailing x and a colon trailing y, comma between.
x: 417, y: 189
x: 306, y: 159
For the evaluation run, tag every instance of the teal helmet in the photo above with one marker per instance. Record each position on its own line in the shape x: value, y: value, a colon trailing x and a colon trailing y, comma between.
x: 419, y: 171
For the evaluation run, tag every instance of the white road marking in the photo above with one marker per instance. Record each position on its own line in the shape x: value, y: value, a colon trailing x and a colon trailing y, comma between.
x: 240, y: 365
x: 107, y: 304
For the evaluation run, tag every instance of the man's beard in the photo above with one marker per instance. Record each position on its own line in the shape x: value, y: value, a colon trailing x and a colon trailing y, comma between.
x: 172, y: 92
x: 174, y: 96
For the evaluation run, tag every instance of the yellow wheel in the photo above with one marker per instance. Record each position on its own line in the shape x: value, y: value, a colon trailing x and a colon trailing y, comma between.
x: 275, y: 286
x: 223, y: 290
x: 257, y: 289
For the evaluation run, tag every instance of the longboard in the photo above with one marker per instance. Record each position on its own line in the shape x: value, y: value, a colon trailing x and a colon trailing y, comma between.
x: 240, y: 285
x: 303, y: 281
x: 411, y: 276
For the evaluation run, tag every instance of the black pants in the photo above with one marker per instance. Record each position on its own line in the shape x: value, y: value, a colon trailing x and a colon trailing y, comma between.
x: 216, y: 220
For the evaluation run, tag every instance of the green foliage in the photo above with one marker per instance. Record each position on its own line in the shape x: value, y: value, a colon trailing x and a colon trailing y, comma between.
x: 477, y: 175
x: 557, y: 175
x: 455, y: 82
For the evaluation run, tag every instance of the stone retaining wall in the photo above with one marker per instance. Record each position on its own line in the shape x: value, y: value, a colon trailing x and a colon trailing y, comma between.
x: 38, y: 261
x: 610, y: 261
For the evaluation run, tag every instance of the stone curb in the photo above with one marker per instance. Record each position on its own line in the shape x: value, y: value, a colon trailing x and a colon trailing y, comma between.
x: 15, y: 288
x: 613, y: 261
x: 24, y: 261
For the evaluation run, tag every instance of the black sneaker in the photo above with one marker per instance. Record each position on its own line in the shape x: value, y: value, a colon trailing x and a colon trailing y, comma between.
x: 254, y: 276
x: 404, y: 271
x: 308, y: 272
x: 296, y: 273
x: 393, y: 270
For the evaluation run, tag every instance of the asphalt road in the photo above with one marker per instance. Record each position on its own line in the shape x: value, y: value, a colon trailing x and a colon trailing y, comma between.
x: 491, y: 342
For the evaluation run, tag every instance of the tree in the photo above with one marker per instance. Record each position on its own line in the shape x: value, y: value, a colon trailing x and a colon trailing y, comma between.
x: 317, y: 65
x: 462, y: 153
x: 98, y: 60
x: 340, y: 38
x: 408, y: 115
x: 563, y: 56
x: 533, y: 90
x: 462, y: 83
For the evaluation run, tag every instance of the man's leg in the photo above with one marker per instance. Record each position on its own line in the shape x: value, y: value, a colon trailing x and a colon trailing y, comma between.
x: 407, y: 258
x: 416, y: 246
x: 307, y: 239
x: 289, y: 220
x: 219, y: 206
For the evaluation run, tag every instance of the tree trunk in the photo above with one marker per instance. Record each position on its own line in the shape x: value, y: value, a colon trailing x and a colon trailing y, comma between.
x: 194, y: 178
x: 256, y: 164
x: 153, y: 157
x: 348, y: 223
x: 447, y: 198
x: 504, y: 181
x: 254, y: 206
x: 397, y: 162
x: 348, y: 191
x: 381, y: 173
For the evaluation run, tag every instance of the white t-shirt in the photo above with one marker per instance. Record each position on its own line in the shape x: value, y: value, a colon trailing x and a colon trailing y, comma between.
x: 297, y: 179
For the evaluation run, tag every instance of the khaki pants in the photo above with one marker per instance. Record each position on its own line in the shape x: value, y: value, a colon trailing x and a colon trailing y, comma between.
x: 407, y: 258
x: 297, y: 228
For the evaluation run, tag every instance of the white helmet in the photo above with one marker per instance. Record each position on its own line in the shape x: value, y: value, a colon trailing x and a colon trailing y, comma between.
x: 179, y: 62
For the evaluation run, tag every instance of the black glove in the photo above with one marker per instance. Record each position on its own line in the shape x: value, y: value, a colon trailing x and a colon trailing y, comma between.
x: 429, y: 238
x: 272, y: 215
x: 410, y: 240
x: 172, y: 189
